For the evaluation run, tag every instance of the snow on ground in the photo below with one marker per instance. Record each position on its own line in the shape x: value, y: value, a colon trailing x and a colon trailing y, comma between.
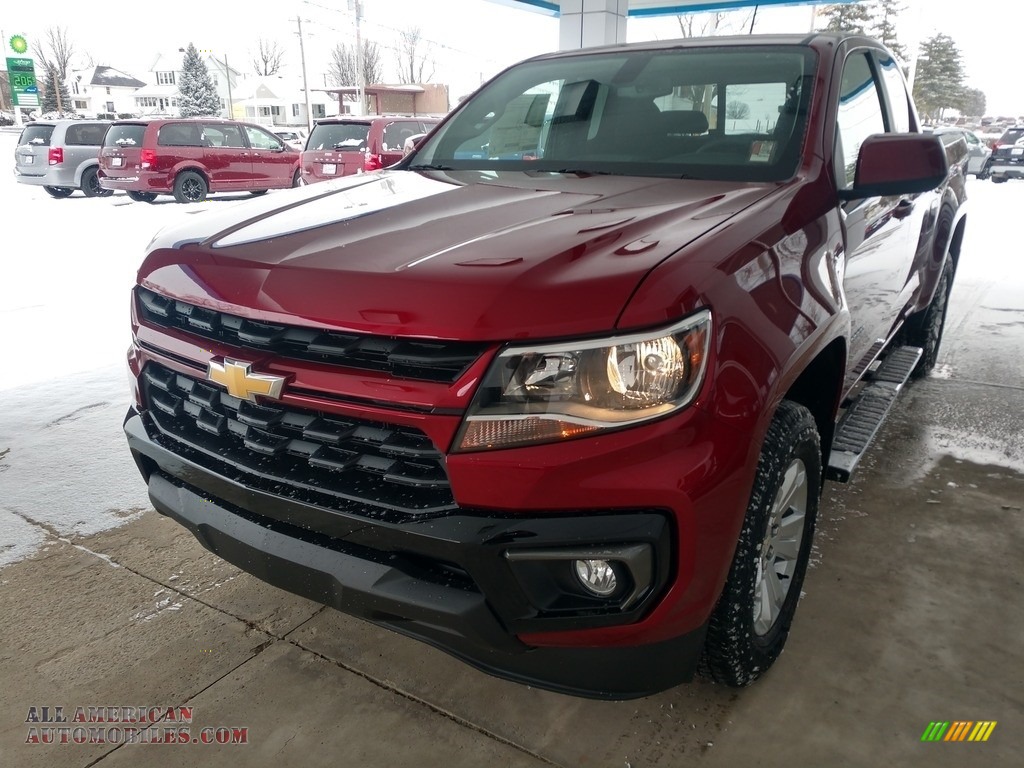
x: 67, y: 270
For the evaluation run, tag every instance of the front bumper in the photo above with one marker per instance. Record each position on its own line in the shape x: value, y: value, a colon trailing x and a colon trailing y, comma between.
x: 445, y: 579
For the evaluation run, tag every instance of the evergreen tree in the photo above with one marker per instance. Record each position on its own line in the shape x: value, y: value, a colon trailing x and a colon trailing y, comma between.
x: 49, y: 101
x: 847, y: 17
x: 886, y: 12
x: 939, y: 83
x: 197, y: 96
x: 973, y: 102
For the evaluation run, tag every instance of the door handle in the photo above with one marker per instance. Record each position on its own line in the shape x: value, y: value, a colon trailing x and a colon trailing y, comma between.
x: 903, y: 209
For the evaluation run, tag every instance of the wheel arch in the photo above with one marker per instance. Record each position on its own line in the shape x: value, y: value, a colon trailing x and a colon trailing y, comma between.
x: 83, y: 167
x: 818, y: 388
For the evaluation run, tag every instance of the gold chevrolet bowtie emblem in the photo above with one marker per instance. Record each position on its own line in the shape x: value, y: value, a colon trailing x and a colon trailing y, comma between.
x: 236, y: 376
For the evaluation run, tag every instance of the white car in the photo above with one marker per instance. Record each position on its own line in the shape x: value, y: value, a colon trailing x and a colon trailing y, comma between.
x: 295, y: 139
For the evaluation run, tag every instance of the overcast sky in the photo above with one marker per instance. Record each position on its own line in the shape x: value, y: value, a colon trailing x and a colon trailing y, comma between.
x: 129, y: 37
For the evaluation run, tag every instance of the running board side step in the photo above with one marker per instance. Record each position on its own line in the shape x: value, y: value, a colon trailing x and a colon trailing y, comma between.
x: 865, y: 415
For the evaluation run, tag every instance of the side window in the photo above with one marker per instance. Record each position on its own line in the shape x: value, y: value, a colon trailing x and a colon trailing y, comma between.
x: 860, y: 115
x: 222, y: 136
x: 892, y: 79
x: 396, y: 133
x: 85, y: 134
x: 260, y: 139
x: 179, y: 135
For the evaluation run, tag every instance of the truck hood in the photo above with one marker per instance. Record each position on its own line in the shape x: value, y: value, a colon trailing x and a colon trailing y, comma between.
x: 476, y: 256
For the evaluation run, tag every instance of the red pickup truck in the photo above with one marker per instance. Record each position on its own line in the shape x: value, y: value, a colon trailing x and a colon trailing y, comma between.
x: 558, y: 393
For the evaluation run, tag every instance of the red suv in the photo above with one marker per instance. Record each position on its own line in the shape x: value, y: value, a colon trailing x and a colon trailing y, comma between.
x: 189, y: 158
x: 341, y: 146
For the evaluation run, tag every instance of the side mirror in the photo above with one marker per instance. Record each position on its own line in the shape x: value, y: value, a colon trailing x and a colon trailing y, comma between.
x: 898, y: 164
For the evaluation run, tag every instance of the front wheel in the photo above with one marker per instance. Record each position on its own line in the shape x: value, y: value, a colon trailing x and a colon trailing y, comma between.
x: 924, y: 329
x: 59, y: 192
x: 751, y: 622
x: 190, y: 187
x: 297, y: 179
x: 142, y: 197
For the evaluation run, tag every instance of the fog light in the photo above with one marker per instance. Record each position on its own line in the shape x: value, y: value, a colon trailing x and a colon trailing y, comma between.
x: 597, y: 576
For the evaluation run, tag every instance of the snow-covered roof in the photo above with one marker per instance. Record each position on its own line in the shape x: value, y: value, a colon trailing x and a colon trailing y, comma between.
x: 108, y: 76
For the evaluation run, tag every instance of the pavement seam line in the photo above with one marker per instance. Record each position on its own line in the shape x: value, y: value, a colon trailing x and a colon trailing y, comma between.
x: 424, y: 703
x: 257, y: 651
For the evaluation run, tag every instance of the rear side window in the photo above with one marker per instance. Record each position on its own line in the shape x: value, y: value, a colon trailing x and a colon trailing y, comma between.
x: 124, y: 136
x: 396, y: 133
x: 892, y: 80
x: 344, y: 136
x: 36, y: 136
x: 179, y: 135
x: 85, y: 134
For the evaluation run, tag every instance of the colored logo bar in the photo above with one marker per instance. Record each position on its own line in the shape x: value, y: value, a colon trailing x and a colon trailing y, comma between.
x: 959, y: 730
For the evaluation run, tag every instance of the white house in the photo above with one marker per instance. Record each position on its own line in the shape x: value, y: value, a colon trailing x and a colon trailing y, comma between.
x: 280, y: 101
x: 160, y: 95
x: 103, y: 90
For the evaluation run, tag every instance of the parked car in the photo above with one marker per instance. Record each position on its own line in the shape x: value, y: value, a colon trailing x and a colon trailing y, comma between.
x: 61, y: 156
x: 978, y: 152
x: 294, y: 139
x: 342, y: 146
x: 190, y: 158
x: 1007, y: 161
x: 566, y: 410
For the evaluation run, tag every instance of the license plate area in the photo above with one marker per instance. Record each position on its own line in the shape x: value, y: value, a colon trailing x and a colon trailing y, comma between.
x: 329, y: 169
x: 116, y: 162
x: 28, y: 159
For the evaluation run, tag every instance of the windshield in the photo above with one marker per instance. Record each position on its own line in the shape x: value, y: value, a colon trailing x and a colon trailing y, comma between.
x: 344, y: 136
x: 710, y: 113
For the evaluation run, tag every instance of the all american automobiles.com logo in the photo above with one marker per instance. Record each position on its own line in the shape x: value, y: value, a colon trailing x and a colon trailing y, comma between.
x: 125, y: 725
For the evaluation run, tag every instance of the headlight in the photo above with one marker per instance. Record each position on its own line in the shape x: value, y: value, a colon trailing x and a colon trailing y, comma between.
x: 559, y: 391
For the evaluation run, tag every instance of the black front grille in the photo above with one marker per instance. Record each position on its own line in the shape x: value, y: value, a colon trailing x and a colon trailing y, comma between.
x: 364, y: 467
x: 420, y: 359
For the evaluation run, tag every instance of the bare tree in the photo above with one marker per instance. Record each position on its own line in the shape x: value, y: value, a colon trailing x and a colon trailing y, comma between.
x: 267, y: 60
x: 413, y: 60
x: 342, y: 69
x: 707, y: 24
x: 56, y: 51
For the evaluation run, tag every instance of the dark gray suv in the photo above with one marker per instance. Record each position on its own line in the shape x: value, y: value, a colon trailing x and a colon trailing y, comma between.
x: 61, y: 156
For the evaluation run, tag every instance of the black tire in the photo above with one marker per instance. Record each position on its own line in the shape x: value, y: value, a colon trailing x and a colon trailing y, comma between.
x: 297, y: 179
x: 998, y: 179
x: 91, y: 184
x: 257, y: 192
x: 142, y: 197
x: 59, y: 192
x: 190, y: 187
x: 924, y: 329
x: 744, y: 640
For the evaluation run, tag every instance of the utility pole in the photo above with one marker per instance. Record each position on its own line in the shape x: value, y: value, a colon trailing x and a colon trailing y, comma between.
x: 360, y: 73
x: 227, y: 74
x: 305, y: 84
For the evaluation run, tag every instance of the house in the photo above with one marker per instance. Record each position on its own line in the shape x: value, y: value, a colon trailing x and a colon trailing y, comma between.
x: 160, y: 95
x: 411, y: 99
x: 103, y: 90
x: 280, y: 101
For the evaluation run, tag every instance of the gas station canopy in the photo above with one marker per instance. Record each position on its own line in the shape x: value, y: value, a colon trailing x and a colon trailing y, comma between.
x: 583, y: 23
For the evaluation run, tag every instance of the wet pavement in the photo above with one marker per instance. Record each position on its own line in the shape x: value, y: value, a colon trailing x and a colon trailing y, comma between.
x: 911, y: 613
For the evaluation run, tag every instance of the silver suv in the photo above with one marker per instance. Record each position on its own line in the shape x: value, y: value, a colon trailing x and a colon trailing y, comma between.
x: 61, y: 156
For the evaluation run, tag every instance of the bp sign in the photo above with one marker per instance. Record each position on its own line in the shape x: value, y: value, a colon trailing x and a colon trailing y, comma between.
x: 22, y: 73
x: 19, y: 44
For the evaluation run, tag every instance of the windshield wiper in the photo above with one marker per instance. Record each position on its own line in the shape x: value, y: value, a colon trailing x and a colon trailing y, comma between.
x: 429, y: 167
